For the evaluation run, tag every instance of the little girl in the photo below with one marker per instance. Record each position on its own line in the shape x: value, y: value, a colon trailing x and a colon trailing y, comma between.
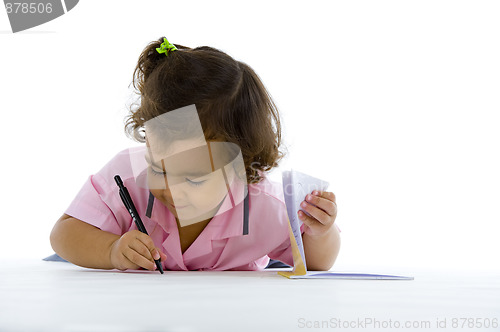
x: 211, y: 132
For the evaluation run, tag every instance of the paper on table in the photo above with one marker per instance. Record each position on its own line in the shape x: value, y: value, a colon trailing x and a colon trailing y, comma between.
x: 338, y: 275
x: 296, y: 186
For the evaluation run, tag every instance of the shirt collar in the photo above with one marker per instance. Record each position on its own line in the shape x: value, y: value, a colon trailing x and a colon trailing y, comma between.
x: 231, y: 220
x: 227, y: 224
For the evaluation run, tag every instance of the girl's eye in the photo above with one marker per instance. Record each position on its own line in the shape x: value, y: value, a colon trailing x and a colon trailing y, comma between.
x: 157, y: 173
x: 194, y: 183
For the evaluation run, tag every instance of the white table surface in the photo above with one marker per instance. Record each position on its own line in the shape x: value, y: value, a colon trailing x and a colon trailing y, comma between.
x: 55, y: 296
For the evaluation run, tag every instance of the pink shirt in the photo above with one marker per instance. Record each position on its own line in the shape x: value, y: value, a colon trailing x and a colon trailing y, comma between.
x: 220, y: 246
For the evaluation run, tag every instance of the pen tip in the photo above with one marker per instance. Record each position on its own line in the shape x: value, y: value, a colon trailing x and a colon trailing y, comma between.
x: 158, y: 265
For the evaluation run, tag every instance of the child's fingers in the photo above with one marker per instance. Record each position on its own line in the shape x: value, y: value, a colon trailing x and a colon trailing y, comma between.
x: 139, y: 260
x: 314, y: 225
x: 325, y: 194
x: 141, y: 249
x: 325, y: 201
x: 133, y: 250
x: 144, y: 246
x: 152, y: 252
x: 318, y: 214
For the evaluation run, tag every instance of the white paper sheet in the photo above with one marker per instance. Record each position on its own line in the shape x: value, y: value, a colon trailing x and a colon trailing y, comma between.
x: 338, y: 275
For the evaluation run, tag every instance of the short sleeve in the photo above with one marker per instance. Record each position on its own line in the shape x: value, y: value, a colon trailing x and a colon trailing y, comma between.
x: 89, y: 206
x: 98, y: 202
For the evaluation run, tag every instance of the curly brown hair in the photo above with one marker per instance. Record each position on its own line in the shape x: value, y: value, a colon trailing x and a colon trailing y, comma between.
x: 232, y: 103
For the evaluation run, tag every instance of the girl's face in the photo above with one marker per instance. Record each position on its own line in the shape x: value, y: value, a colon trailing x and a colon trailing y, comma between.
x: 191, y: 182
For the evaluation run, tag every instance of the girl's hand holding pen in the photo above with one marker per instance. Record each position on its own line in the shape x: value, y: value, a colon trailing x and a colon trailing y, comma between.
x: 134, y: 250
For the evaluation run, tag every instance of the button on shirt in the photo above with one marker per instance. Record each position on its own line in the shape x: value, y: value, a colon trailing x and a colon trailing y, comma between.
x: 220, y: 246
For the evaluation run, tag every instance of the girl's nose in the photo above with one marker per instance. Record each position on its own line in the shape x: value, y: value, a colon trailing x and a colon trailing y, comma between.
x: 177, y: 192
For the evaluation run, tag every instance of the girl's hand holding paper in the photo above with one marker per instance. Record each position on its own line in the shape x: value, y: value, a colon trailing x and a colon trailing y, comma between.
x: 322, y: 208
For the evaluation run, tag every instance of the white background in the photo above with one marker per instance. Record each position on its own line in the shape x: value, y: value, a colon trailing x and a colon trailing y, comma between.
x: 395, y: 103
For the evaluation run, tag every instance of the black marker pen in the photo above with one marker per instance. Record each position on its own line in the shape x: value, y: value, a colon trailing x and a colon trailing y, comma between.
x: 127, y: 201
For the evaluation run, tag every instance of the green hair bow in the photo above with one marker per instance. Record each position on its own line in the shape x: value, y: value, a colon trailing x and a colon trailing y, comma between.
x: 166, y: 47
